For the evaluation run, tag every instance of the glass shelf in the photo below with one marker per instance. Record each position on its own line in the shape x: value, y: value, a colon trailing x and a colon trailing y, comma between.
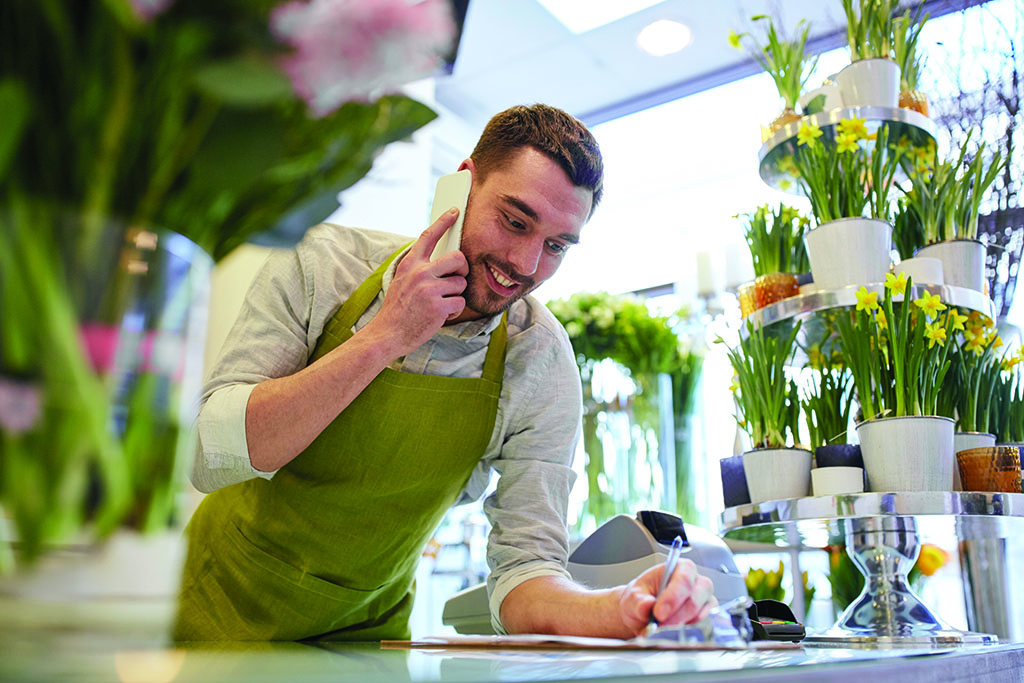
x: 809, y: 308
x: 918, y: 128
x: 805, y: 305
x: 881, y: 532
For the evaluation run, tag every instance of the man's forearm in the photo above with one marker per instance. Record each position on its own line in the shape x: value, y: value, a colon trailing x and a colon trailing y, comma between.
x: 285, y: 415
x: 556, y: 605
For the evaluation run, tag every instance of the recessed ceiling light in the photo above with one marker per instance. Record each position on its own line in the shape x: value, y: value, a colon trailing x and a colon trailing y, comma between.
x: 663, y: 37
x: 580, y: 16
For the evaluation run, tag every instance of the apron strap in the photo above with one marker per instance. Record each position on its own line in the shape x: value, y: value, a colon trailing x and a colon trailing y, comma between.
x: 356, y: 305
x: 494, y: 363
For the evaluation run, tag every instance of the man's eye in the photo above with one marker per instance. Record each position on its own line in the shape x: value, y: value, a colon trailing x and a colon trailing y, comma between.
x: 557, y: 248
x: 514, y: 224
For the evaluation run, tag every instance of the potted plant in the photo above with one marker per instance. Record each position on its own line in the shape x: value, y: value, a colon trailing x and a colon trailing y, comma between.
x: 906, y: 33
x: 826, y: 404
x: 1007, y: 417
x: 872, y: 79
x: 898, y: 354
x: 769, y: 411
x: 974, y: 377
x: 775, y: 238
x: 947, y: 200
x: 784, y: 61
x: 162, y: 135
x: 847, y: 248
x: 908, y: 238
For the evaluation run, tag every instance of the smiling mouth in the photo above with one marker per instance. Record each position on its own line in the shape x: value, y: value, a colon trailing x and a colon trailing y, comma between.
x: 505, y: 286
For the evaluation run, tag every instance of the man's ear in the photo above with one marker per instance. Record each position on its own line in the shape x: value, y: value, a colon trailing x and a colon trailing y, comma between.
x: 468, y: 165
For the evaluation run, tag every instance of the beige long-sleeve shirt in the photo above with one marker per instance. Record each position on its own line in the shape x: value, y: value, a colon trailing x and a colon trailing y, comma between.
x: 539, y: 411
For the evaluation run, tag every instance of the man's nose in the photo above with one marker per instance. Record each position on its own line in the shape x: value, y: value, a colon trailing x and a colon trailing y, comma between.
x: 526, y: 255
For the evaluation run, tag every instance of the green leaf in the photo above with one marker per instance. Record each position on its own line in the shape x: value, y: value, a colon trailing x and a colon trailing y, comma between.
x: 239, y: 147
x: 244, y: 82
x: 14, y: 111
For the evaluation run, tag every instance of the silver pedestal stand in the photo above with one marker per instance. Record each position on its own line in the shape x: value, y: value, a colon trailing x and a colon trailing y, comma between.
x: 882, y: 538
x: 887, y: 612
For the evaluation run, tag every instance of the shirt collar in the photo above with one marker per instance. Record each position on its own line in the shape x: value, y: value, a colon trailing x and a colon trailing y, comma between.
x: 464, y: 330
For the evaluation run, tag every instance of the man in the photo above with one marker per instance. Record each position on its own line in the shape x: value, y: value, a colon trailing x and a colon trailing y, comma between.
x: 337, y: 438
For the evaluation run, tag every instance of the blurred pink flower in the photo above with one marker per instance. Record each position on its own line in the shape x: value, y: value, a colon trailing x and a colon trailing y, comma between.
x: 354, y: 49
x: 20, y: 406
x: 146, y: 10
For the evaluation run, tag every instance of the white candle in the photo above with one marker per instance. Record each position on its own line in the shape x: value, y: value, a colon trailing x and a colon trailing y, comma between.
x: 739, y: 267
x: 706, y: 285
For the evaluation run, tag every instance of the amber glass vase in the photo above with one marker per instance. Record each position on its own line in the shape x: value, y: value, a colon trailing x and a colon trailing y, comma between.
x: 747, y: 293
x: 773, y: 287
x: 914, y: 100
x: 995, y: 468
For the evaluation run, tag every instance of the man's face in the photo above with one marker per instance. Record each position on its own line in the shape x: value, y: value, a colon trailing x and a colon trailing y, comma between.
x: 519, y: 223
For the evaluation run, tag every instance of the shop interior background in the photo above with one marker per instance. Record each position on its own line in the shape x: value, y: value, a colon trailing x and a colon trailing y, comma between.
x: 680, y: 135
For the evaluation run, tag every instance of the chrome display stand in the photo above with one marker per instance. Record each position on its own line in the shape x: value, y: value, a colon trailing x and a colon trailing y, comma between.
x: 917, y: 128
x: 882, y: 532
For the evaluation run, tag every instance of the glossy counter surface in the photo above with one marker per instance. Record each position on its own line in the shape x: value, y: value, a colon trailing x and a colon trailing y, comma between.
x: 118, y: 643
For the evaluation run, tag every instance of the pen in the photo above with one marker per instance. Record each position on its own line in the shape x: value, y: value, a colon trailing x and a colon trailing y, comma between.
x: 670, y: 567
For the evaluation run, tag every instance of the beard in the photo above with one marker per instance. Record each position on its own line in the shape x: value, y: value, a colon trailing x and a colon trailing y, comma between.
x: 478, y: 293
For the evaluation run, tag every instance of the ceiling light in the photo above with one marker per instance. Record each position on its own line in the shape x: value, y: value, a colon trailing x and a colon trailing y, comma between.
x: 663, y: 37
x: 580, y: 16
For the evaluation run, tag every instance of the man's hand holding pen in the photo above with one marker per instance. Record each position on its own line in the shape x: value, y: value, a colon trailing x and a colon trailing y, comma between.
x: 667, y: 594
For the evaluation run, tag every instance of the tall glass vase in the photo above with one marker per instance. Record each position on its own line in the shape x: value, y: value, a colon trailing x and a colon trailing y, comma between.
x: 100, y: 373
x: 622, y: 431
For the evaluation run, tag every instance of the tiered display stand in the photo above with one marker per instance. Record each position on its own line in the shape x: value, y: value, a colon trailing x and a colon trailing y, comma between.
x: 881, y: 531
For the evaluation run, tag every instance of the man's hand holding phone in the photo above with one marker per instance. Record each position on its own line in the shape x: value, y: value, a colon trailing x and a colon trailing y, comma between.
x: 424, y: 293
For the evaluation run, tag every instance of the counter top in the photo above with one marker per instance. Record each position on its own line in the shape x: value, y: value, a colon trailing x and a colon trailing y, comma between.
x: 120, y: 645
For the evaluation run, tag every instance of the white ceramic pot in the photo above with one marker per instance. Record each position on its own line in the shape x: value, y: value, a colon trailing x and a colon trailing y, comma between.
x: 833, y: 481
x: 76, y: 587
x: 924, y: 270
x: 849, y: 251
x: 964, y: 440
x: 777, y: 473
x: 963, y: 262
x: 870, y: 83
x: 908, y: 453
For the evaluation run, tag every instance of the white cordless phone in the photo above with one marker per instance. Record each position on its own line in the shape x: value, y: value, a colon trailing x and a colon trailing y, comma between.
x: 452, y: 190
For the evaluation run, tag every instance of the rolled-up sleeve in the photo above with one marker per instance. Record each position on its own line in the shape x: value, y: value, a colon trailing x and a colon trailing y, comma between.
x: 268, y: 339
x: 527, y: 511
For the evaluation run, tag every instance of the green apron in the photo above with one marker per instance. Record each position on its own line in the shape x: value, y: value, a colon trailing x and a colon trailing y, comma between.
x: 328, y: 548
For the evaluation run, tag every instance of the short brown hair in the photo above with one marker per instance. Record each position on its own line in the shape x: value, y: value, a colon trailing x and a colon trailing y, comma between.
x: 559, y: 136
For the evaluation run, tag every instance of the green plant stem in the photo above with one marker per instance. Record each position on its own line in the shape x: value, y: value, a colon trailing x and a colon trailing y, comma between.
x: 171, y: 166
x: 99, y: 190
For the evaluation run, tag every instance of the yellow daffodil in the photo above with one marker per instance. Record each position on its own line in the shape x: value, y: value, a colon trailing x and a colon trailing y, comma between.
x: 930, y: 304
x: 735, y: 386
x: 996, y: 341
x: 846, y: 142
x: 958, y: 320
x: 788, y: 165
x: 880, y: 320
x: 814, y: 357
x: 785, y: 184
x: 853, y: 127
x: 1012, y: 361
x: 934, y: 332
x: 734, y: 40
x: 897, y: 284
x: 931, y: 559
x: 866, y: 301
x: 808, y: 134
x: 975, y: 343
